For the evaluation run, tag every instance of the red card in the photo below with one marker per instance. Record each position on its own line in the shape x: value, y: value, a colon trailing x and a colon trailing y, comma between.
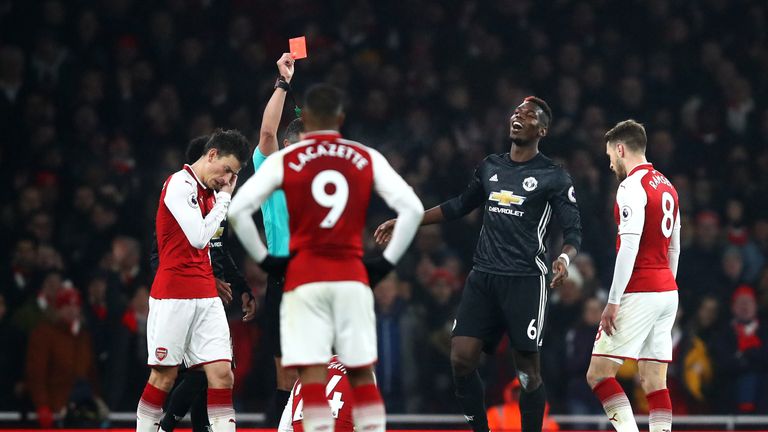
x: 298, y: 47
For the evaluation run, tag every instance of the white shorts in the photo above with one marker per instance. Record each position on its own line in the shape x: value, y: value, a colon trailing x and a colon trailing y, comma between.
x: 321, y: 318
x: 643, y: 328
x: 194, y: 331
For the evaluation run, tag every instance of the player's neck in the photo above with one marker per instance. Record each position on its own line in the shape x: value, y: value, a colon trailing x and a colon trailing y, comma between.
x: 518, y: 153
x: 631, y: 162
x: 197, y: 168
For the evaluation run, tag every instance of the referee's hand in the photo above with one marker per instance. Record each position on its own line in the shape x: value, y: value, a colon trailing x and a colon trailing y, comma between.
x: 561, y: 272
x: 383, y: 233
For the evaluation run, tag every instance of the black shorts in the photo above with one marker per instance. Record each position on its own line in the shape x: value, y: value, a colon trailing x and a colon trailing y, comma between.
x: 272, y: 314
x: 493, y: 304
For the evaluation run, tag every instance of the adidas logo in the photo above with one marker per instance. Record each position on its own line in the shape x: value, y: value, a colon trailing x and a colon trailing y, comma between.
x: 470, y: 418
x: 495, y: 178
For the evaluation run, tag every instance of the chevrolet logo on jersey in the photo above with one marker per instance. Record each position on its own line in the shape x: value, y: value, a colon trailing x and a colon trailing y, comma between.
x: 506, y: 198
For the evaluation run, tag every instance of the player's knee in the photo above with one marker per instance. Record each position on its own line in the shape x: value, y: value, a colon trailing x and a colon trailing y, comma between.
x: 163, y: 377
x: 594, y: 376
x: 529, y: 380
x: 220, y: 375
x: 462, y: 363
x: 286, y: 377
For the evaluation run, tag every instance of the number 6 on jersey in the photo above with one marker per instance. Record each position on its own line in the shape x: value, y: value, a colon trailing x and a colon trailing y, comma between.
x: 336, y: 200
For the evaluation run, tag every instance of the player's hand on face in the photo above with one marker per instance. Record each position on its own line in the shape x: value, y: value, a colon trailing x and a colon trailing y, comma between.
x: 225, y: 291
x: 285, y: 66
x: 561, y: 273
x: 608, y: 319
x: 383, y: 233
x: 230, y: 187
x: 250, y: 306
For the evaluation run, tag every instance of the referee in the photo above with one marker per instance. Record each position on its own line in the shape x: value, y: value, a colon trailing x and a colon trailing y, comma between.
x: 506, y: 291
x: 275, y: 216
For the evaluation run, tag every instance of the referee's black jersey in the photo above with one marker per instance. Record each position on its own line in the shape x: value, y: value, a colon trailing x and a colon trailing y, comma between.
x: 518, y: 200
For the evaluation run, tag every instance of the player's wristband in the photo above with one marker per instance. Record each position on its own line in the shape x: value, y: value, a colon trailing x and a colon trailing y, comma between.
x: 566, y: 258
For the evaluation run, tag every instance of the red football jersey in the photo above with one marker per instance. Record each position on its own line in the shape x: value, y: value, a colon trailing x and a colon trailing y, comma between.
x: 646, y: 204
x: 338, y: 392
x: 328, y: 183
x: 186, y: 215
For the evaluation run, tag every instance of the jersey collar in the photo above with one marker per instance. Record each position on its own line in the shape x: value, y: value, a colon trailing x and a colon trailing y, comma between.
x: 192, y: 173
x: 647, y: 165
x: 322, y: 134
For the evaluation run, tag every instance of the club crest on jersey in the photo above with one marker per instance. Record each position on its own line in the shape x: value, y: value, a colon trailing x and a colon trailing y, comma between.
x: 161, y: 353
x: 192, y: 201
x: 626, y: 213
x: 572, y: 194
x: 530, y: 184
x: 506, y: 198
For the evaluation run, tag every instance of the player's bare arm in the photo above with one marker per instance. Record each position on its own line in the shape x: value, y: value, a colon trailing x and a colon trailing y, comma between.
x: 383, y: 233
x: 270, y: 121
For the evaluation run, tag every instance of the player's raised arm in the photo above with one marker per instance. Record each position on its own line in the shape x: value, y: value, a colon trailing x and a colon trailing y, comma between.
x: 250, y: 197
x: 181, y: 200
x: 270, y: 121
x: 564, y: 205
x: 674, y: 246
x: 400, y: 197
x: 456, y: 207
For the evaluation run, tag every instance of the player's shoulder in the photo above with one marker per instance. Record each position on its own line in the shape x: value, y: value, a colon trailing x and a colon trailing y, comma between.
x: 183, y: 178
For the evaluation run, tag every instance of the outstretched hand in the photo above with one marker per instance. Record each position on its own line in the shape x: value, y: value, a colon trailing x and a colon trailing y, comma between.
x: 383, y: 233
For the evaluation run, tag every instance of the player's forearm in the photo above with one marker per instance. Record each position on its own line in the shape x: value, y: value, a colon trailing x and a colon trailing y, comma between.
x: 245, y: 229
x: 570, y: 251
x: 625, y: 263
x: 270, y: 122
x: 433, y: 216
x: 409, y: 214
x: 674, y: 251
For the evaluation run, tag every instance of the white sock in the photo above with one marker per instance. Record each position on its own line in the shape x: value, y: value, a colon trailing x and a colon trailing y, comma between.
x: 221, y: 414
x: 317, y: 418
x: 370, y: 418
x: 148, y: 417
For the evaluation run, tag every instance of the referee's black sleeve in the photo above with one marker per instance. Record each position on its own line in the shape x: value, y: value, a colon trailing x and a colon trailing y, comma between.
x: 472, y: 197
x: 564, y: 204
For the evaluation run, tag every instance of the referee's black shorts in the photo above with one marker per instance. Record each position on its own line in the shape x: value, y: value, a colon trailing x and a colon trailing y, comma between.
x: 272, y: 313
x: 494, y: 304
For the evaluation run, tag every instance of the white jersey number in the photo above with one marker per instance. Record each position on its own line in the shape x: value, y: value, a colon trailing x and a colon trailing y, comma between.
x: 335, y: 402
x: 336, y: 201
x: 667, y: 207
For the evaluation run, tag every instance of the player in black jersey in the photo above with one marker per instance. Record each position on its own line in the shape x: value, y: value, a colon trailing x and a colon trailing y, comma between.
x: 189, y: 391
x: 506, y: 291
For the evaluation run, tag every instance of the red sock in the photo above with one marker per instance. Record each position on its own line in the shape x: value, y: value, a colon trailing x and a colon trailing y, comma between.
x: 659, y: 411
x: 368, y: 409
x: 616, y: 405
x: 150, y: 408
x: 317, y: 412
x: 221, y: 414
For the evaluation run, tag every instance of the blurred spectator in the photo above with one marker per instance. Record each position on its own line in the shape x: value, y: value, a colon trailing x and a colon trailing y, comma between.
x: 741, y: 352
x: 12, y: 379
x: 389, y: 312
x: 577, y: 355
x: 60, y: 358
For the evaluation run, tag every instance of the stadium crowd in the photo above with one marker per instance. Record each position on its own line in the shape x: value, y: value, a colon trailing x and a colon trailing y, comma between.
x: 98, y: 101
